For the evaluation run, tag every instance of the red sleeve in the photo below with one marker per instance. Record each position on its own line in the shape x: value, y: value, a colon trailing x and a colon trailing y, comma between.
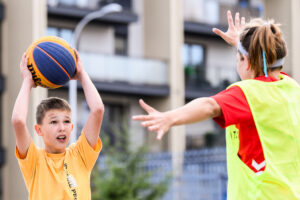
x: 285, y: 74
x: 234, y: 106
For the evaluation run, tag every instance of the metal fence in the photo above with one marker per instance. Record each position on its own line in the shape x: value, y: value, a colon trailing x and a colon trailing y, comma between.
x: 203, y: 177
x: 203, y: 174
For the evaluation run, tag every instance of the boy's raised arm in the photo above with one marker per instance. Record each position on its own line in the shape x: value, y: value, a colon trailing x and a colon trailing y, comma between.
x: 93, y: 124
x: 20, y: 110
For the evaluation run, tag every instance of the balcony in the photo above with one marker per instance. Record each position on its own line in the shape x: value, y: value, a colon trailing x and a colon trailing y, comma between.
x: 89, y: 4
x: 127, y: 75
x: 201, y: 16
x: 77, y: 9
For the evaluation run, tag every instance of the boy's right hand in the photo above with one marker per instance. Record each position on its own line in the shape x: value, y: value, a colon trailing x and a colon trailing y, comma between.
x: 25, y: 73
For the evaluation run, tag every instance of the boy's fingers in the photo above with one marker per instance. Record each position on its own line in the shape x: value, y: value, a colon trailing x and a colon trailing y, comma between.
x: 146, y: 107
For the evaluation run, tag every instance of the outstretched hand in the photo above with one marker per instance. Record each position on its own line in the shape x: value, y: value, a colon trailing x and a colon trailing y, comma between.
x: 231, y: 36
x: 156, y: 121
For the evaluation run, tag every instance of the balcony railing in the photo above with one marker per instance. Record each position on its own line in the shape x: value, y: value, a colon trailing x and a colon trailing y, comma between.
x: 91, y: 4
x: 112, y: 68
x: 214, y: 11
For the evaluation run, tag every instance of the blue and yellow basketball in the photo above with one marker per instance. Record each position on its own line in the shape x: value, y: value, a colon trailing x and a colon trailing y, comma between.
x: 51, y: 61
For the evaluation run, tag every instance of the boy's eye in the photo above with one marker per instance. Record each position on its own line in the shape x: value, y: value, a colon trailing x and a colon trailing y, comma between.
x: 67, y: 121
x: 53, y: 122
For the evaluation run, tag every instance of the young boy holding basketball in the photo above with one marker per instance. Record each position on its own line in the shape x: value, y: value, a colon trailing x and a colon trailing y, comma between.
x: 57, y: 172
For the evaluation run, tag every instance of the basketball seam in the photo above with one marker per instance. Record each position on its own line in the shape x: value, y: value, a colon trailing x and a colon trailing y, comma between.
x: 54, y: 61
x: 41, y: 73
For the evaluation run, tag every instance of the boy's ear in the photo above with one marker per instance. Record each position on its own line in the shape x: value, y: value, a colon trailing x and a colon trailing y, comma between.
x: 38, y: 130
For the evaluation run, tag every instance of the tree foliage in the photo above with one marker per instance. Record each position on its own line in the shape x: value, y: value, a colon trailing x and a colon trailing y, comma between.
x: 122, y: 173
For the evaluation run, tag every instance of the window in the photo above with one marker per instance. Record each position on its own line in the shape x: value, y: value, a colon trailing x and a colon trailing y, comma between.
x: 194, y: 64
x: 66, y: 34
x: 113, y: 119
x: 120, y: 45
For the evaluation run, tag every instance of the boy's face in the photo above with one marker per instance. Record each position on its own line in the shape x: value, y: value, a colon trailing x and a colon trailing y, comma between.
x: 55, y: 129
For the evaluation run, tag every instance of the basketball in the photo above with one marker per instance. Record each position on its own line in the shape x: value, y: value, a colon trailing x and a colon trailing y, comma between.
x: 51, y: 61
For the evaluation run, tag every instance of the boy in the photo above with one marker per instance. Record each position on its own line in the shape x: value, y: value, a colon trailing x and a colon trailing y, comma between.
x: 57, y: 172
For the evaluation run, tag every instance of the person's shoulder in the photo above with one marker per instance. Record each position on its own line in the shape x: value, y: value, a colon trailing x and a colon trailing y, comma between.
x: 231, y: 90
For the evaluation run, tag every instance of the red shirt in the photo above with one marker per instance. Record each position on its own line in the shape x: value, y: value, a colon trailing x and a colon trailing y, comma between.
x: 236, y: 110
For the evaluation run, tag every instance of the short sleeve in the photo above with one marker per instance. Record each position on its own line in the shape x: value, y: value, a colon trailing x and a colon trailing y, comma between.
x: 88, y: 154
x: 28, y: 164
x: 234, y: 106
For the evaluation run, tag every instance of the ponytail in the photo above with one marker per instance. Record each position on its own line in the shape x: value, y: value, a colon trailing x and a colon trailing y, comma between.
x: 261, y: 38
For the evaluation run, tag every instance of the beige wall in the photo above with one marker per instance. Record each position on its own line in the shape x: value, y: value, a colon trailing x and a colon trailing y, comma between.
x: 97, y: 40
x: 163, y: 40
x: 24, y: 21
x: 287, y: 14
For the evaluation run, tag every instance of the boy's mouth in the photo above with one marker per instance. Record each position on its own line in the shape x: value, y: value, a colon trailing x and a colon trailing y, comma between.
x: 61, y: 138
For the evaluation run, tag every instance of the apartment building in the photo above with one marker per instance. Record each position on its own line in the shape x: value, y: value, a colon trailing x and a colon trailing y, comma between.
x: 161, y: 51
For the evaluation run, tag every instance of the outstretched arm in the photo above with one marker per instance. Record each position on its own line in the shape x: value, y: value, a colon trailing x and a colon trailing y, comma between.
x: 231, y: 36
x: 160, y: 122
x: 94, y: 121
x: 20, y: 110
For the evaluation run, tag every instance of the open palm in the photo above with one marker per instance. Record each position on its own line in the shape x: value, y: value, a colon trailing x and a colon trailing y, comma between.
x: 231, y: 36
x: 156, y: 121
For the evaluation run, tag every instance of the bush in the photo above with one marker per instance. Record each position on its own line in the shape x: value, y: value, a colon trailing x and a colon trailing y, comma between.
x: 123, y: 175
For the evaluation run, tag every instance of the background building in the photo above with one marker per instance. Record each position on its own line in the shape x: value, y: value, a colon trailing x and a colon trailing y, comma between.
x: 161, y: 51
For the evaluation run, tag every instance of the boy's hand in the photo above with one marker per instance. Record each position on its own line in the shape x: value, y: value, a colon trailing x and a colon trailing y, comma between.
x: 25, y: 73
x: 156, y: 121
x: 231, y: 36
x: 79, y: 67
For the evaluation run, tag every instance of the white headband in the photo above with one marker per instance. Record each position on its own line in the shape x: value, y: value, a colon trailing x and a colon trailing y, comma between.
x: 278, y: 62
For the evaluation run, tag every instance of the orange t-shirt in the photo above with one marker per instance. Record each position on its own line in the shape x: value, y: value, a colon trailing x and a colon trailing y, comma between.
x: 63, y: 176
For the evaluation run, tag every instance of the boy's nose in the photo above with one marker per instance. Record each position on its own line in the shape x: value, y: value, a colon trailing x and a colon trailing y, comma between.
x: 61, y: 126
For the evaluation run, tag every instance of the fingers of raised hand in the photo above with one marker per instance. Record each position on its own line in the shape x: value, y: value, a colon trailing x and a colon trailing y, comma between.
x: 229, y: 19
x: 218, y: 32
x: 237, y: 20
x: 243, y: 22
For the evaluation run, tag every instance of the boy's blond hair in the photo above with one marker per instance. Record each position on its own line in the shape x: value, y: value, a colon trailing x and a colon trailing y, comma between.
x: 50, y: 103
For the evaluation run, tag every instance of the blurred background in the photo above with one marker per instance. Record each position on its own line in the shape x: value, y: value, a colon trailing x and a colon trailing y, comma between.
x: 162, y: 51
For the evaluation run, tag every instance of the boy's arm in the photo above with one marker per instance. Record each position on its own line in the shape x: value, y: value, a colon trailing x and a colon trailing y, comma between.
x: 197, y: 110
x: 20, y: 110
x: 93, y: 124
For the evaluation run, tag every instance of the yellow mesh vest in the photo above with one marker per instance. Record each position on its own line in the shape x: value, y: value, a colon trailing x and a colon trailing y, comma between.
x: 275, y: 107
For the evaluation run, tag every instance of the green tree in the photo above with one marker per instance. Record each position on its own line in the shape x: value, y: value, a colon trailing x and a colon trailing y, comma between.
x: 124, y: 176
